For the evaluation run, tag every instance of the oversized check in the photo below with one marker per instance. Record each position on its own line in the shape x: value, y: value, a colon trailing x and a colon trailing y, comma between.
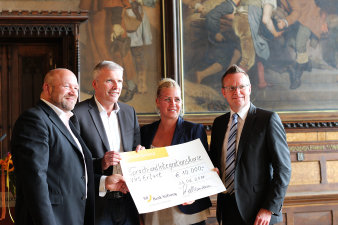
x: 164, y: 177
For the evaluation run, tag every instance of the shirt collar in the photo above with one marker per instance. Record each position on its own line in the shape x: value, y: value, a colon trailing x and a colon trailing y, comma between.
x: 58, y: 111
x: 102, y: 109
x: 243, y: 112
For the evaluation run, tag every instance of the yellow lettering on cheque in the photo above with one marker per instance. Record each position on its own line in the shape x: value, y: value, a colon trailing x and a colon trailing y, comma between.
x: 147, y: 154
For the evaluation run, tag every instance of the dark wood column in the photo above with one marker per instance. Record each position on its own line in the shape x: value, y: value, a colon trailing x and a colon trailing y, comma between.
x: 170, y: 38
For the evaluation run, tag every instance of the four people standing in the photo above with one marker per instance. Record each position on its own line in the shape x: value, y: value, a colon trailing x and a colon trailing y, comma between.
x: 55, y: 170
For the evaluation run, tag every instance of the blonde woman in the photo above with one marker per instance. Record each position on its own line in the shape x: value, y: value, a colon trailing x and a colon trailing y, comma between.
x: 171, y: 129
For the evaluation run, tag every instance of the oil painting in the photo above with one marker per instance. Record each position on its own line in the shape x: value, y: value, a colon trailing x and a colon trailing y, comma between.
x: 288, y: 47
x: 130, y: 34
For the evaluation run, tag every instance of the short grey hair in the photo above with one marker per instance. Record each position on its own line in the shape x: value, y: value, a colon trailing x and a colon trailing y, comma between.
x: 110, y: 65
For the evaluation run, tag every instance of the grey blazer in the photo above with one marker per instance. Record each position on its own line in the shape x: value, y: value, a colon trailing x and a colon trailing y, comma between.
x: 88, y: 121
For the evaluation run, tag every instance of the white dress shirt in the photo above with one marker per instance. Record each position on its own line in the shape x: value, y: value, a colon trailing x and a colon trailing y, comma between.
x: 112, y: 129
x: 242, y: 114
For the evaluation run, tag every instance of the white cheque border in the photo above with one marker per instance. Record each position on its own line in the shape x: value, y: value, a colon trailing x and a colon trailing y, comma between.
x: 181, y: 173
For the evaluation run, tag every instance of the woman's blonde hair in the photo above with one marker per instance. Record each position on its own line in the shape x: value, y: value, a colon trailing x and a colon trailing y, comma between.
x: 166, y: 83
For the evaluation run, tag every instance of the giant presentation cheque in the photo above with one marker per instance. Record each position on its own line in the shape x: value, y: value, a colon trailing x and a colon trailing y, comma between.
x: 159, y: 178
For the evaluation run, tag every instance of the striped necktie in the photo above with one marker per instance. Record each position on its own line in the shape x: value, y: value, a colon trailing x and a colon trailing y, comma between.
x: 231, y: 156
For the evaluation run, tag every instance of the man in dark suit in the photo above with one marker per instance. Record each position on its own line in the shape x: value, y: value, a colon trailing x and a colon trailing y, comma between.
x: 53, y: 166
x: 109, y: 127
x: 257, y: 178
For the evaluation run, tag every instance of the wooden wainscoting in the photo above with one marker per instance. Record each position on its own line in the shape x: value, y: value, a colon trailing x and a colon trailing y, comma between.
x: 316, y: 208
x: 312, y: 196
x: 301, y: 209
x: 212, y: 218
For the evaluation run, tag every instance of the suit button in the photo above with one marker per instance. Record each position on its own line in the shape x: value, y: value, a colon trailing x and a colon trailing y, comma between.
x: 83, y: 197
x: 83, y: 178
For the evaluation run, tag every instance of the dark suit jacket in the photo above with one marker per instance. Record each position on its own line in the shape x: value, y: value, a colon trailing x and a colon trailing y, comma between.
x: 185, y: 131
x: 50, y: 171
x: 263, y: 166
x: 88, y: 121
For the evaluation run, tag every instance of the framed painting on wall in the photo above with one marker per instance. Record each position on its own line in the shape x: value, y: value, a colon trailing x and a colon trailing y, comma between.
x: 291, y: 58
x: 129, y: 33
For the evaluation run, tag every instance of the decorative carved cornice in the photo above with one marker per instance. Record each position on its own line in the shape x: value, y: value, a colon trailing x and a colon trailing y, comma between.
x: 299, y: 125
x: 295, y: 123
x: 36, y: 23
x: 33, y: 15
x: 30, y: 29
x: 310, y: 125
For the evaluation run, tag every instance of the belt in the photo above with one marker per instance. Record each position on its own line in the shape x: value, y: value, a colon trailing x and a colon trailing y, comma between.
x: 114, y: 195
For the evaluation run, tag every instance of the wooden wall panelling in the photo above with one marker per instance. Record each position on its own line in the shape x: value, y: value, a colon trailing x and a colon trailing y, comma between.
x: 310, y: 214
x: 312, y: 196
x: 33, y: 42
x: 311, y: 174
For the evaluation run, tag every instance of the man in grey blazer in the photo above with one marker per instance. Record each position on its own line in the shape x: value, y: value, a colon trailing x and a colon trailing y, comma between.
x: 109, y: 127
x: 261, y: 168
x: 53, y: 167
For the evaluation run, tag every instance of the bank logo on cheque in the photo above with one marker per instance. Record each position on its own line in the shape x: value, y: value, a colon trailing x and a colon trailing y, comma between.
x: 159, y: 197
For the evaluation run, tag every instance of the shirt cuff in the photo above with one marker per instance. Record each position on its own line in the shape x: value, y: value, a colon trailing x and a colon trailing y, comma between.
x: 102, y: 187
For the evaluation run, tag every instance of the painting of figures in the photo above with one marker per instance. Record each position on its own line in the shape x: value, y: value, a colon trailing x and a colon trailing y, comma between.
x: 129, y: 33
x: 288, y: 47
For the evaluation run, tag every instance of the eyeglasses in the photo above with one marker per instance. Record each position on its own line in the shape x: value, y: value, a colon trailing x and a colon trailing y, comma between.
x: 234, y: 88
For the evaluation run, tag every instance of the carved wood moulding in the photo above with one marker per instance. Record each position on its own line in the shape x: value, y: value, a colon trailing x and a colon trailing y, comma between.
x: 288, y: 125
x: 297, y: 126
x: 36, y: 23
x: 306, y: 125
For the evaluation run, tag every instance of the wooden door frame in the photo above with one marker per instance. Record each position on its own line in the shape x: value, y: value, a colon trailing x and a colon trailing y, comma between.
x: 26, y: 26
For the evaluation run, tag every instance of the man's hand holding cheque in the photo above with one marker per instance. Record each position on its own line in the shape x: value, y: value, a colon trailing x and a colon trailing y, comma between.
x: 113, y: 158
x: 110, y: 158
x: 116, y: 182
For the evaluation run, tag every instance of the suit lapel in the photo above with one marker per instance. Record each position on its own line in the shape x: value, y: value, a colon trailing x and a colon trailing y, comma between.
x: 221, y: 132
x: 178, y: 134
x: 85, y: 150
x: 247, y: 129
x: 151, y: 134
x: 225, y: 127
x: 58, y: 123
x: 121, y: 120
x: 95, y: 115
